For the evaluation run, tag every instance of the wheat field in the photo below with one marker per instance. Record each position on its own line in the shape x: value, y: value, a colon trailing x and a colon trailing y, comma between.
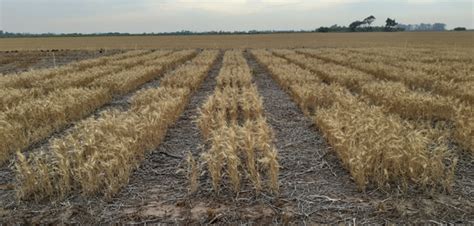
x: 302, y: 127
x: 457, y: 40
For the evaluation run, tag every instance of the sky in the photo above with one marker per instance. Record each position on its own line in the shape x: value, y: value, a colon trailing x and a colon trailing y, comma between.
x: 137, y: 16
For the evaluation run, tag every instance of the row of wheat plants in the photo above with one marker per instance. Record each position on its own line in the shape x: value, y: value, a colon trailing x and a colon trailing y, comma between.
x: 462, y: 90
x: 239, y: 140
x: 39, y: 88
x: 26, y: 79
x: 458, y: 70
x: 424, y: 56
x: 98, y: 155
x: 394, y: 97
x: 34, y: 120
x: 377, y: 148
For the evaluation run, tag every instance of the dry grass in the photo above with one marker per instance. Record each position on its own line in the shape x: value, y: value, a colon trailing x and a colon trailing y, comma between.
x: 375, y: 147
x: 239, y: 139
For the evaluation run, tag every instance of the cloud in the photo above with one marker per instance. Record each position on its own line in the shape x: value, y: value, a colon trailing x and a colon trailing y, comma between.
x: 242, y: 7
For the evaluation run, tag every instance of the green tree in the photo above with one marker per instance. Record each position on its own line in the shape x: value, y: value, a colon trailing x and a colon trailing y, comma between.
x: 390, y: 24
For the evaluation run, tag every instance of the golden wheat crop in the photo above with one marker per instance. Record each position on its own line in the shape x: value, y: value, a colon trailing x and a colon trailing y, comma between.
x: 435, y: 40
x: 414, y: 79
x: 394, y: 97
x: 239, y: 138
x: 10, y: 97
x: 426, y: 56
x: 375, y: 147
x: 25, y: 88
x: 32, y: 121
x: 26, y: 79
x: 180, y: 78
x: 464, y: 131
x: 110, y: 146
x: 36, y: 119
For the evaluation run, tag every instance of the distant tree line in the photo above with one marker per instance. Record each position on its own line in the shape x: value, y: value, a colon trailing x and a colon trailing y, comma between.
x: 364, y: 25
x: 423, y: 27
x: 391, y: 25
x: 183, y: 32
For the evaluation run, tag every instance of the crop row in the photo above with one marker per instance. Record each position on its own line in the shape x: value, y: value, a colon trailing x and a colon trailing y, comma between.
x: 34, y: 120
x: 394, y: 97
x: 428, y: 56
x: 34, y: 89
x: 451, y: 71
x: 25, y: 79
x: 377, y: 148
x: 413, y: 79
x: 456, y: 71
x: 239, y: 140
x: 99, y: 154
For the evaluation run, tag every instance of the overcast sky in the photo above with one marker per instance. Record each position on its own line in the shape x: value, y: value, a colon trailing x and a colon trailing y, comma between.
x: 136, y: 16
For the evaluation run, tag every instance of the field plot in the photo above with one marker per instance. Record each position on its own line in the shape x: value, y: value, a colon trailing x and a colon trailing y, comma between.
x: 452, y: 40
x: 306, y: 135
x: 18, y: 61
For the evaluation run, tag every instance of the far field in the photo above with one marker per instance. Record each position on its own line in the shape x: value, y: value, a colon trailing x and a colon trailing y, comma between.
x: 304, y: 128
x: 456, y: 40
